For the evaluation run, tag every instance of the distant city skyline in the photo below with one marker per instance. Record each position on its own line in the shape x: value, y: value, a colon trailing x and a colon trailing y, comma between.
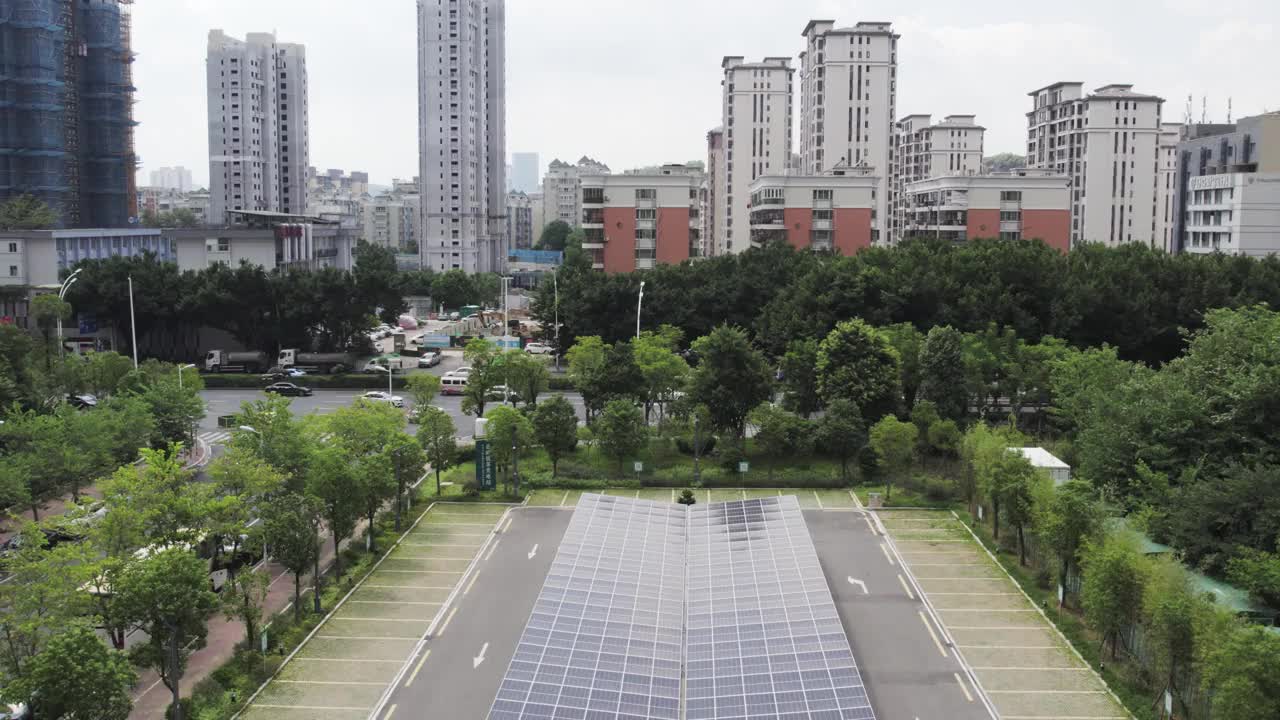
x: 579, y: 98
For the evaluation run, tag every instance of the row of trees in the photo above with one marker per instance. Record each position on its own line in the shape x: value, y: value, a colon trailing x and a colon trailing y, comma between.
x: 326, y: 309
x: 1133, y: 298
x: 1188, y: 643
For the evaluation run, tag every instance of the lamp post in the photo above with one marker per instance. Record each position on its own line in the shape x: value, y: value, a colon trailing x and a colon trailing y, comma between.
x: 133, y: 325
x: 62, y: 293
x: 555, y: 283
x: 639, y: 304
x: 388, y: 372
x: 180, y: 369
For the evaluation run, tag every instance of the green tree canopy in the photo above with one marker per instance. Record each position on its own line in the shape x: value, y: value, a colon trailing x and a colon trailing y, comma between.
x: 555, y: 426
x: 856, y: 362
x: 841, y: 433
x: 554, y: 235
x: 800, y: 377
x: 26, y: 212
x: 731, y: 378
x: 942, y: 372
x: 436, y: 435
x: 75, y: 676
x: 620, y: 430
x: 1115, y: 577
x: 894, y: 443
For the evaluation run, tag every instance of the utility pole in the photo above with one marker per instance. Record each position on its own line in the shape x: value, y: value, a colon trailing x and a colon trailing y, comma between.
x: 133, y: 325
x: 639, y: 304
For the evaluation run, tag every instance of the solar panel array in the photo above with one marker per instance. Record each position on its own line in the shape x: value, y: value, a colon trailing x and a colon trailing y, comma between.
x: 607, y: 638
x: 764, y: 639
x: 604, y: 639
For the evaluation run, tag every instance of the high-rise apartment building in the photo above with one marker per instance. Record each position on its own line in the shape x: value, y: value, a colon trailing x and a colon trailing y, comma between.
x: 66, y: 88
x: 519, y: 221
x: 713, y: 218
x: 756, y: 110
x: 848, y: 102
x: 391, y: 221
x: 923, y: 150
x: 1106, y: 142
x: 1166, y: 183
x: 524, y: 172
x: 259, y: 146
x: 561, y: 189
x: 172, y: 178
x: 462, y: 133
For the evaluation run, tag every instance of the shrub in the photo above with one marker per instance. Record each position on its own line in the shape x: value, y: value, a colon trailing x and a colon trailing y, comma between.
x: 687, y: 497
x: 471, y: 488
x: 685, y: 445
x: 730, y: 456
x: 935, y: 487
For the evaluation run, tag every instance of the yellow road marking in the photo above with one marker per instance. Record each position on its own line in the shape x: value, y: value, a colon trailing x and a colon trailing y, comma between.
x: 473, y: 582
x: 417, y: 667
x: 932, y: 634
x: 963, y: 687
x: 390, y: 711
x: 815, y: 497
x: 904, y: 587
x: 492, y: 548
x: 887, y: 556
x: 452, y: 612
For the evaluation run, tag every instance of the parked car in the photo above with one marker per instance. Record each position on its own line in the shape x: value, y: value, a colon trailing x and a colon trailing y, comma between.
x: 83, y: 402
x: 463, y: 372
x: 500, y: 393
x: 429, y: 359
x: 538, y: 348
x: 379, y: 396
x: 453, y: 384
x: 278, y: 373
x: 288, y: 388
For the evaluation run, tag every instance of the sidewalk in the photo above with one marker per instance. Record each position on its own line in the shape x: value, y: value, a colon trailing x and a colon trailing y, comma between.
x: 151, y: 697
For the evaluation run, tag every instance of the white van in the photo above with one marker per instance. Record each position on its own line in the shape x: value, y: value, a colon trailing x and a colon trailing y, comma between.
x: 453, y: 384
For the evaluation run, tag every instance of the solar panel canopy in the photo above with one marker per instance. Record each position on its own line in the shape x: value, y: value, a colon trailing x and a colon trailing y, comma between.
x: 650, y: 609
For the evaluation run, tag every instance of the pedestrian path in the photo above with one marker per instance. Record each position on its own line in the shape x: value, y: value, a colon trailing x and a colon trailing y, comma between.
x: 215, y: 437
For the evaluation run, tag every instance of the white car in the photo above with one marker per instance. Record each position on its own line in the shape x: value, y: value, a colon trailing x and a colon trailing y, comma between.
x: 462, y: 372
x: 379, y: 396
x: 538, y: 349
x: 429, y: 359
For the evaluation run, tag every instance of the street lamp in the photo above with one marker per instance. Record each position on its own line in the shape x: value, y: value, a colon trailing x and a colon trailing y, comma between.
x: 388, y: 372
x: 555, y: 283
x: 639, y: 303
x: 180, y: 369
x: 62, y: 293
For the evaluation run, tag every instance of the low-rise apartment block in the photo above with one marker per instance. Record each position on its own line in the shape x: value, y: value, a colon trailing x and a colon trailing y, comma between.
x: 923, y: 149
x: 1032, y: 204
x: 821, y: 212
x: 635, y: 221
x: 561, y: 189
x: 1227, y: 188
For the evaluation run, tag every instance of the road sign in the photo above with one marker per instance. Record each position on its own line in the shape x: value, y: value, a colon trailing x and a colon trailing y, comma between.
x: 639, y: 466
x: 486, y: 474
x: 743, y: 467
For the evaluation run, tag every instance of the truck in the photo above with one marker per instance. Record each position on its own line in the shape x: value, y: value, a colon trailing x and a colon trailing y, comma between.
x: 318, y: 362
x: 241, y: 362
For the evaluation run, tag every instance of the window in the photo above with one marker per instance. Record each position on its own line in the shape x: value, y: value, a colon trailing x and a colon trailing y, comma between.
x: 13, y: 271
x: 646, y: 194
x: 822, y: 194
x: 13, y: 247
x: 1010, y: 196
x: 646, y: 214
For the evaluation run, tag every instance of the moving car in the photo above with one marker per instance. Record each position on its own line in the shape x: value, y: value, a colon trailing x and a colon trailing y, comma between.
x: 453, y: 384
x: 288, y: 388
x: 282, y: 373
x: 429, y: 359
x: 379, y: 396
x: 538, y: 348
x: 463, y: 372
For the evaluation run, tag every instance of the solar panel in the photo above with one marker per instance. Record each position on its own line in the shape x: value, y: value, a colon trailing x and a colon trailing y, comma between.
x: 764, y: 639
x: 728, y: 597
x: 604, y: 639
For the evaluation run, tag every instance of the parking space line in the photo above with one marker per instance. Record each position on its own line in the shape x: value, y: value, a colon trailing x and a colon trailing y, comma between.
x: 391, y: 602
x: 1017, y: 610
x: 450, y: 534
x: 904, y: 587
x: 1066, y: 717
x: 1047, y: 692
x: 411, y: 587
x: 815, y: 497
x: 458, y: 524
x: 326, y: 682
x: 416, y: 668
x: 345, y: 660
x: 932, y: 634
x: 312, y: 707
x: 1034, y: 669
x: 364, y: 637
x: 428, y: 557
x: 369, y: 619
x: 996, y: 627
x: 409, y: 544
x: 1011, y: 647
x: 965, y: 688
x: 566, y: 498
x: 935, y: 552
x: 996, y: 594
x: 422, y: 572
x: 856, y: 502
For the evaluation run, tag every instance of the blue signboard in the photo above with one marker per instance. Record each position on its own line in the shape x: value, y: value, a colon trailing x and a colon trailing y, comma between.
x: 486, y: 473
x: 88, y: 324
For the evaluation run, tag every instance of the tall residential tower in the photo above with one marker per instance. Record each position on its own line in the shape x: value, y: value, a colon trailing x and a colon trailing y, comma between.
x: 756, y: 107
x: 259, y: 146
x: 462, y: 134
x: 848, y: 102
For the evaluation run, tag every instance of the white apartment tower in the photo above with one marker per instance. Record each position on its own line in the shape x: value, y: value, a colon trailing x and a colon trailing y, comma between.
x: 462, y: 134
x: 848, y: 102
x: 713, y: 217
x: 562, y: 189
x: 923, y: 150
x: 1106, y: 142
x: 259, y: 146
x: 1166, y: 185
x: 756, y: 108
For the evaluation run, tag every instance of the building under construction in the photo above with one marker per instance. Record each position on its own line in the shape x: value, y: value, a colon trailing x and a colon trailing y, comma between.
x: 66, y: 92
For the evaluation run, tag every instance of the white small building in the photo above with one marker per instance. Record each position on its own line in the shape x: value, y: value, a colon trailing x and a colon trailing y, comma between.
x: 1042, y: 459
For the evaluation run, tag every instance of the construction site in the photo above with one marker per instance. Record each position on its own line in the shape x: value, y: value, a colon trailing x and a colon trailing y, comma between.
x: 66, y: 89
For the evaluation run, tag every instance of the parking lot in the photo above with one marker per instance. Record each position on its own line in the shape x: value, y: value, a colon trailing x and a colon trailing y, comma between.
x: 809, y: 499
x: 1025, y: 666
x: 352, y: 657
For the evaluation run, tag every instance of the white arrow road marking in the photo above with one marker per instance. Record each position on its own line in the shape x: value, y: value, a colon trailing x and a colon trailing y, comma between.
x: 534, y: 551
x: 475, y: 661
x: 859, y: 583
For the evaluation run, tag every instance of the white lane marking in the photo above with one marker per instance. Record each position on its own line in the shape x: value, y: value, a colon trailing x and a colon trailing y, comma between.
x: 491, y: 549
x: 904, y: 587
x: 859, y: 583
x: 510, y: 520
x: 445, y: 626
x: 391, y: 602
x: 534, y: 551
x: 474, y: 577
x: 312, y: 707
x: 343, y: 660
x: 417, y: 667
x: 815, y: 497
x: 967, y: 695
x: 932, y: 634
x: 870, y: 524
x: 856, y: 502
x: 363, y: 637
x: 885, y: 549
x: 1031, y: 669
x: 475, y: 661
x: 327, y: 682
x: 566, y: 498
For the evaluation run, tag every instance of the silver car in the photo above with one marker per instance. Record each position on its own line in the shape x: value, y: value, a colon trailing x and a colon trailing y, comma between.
x: 379, y: 396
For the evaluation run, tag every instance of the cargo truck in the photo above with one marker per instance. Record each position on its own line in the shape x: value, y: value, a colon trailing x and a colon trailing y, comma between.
x: 238, y: 362
x: 318, y: 362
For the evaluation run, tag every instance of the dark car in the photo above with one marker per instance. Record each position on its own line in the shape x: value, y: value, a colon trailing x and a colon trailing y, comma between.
x: 285, y: 388
x: 83, y: 402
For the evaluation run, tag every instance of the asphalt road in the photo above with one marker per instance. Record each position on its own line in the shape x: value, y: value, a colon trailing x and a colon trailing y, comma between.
x: 909, y: 673
x: 491, y: 615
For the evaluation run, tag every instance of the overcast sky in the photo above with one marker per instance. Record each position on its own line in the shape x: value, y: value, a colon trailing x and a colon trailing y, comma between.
x: 636, y: 83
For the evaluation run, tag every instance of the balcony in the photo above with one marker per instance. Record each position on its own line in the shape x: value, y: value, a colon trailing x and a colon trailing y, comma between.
x: 768, y: 220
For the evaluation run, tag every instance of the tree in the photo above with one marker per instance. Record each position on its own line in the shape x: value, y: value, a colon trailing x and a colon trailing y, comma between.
x: 453, y: 289
x: 1258, y: 572
x: 526, y: 375
x: 423, y: 388
x: 942, y: 372
x: 26, y: 212
x: 944, y: 437
x: 47, y: 309
x: 1115, y: 575
x: 555, y: 426
x: 856, y: 362
x: 894, y: 443
x: 586, y: 360
x: 620, y: 429
x: 554, y: 235
x: 908, y: 341
x: 1066, y: 518
x: 510, y: 434
x: 155, y: 501
x: 1169, y: 617
x: 167, y: 596
x: 1018, y: 483
x: 406, y: 459
x: 104, y: 371
x: 841, y: 433
x: 276, y: 436
x: 243, y: 598
x: 482, y: 356
x: 334, y: 481
x: 291, y: 532
x: 620, y: 375
x: 378, y: 280
x: 731, y: 378
x: 800, y: 377
x: 177, y: 411
x: 663, y: 371
x: 1238, y: 668
x: 435, y: 434
x: 42, y: 592
x: 75, y: 676
x: 779, y: 433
